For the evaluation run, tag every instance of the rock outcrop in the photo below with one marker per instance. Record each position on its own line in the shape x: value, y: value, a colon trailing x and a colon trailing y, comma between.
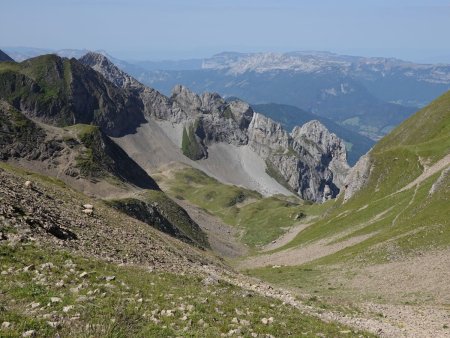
x: 311, y: 159
x: 357, y: 177
x: 81, y: 151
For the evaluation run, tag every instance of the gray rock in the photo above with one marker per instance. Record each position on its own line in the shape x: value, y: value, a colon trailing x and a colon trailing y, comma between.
x: 357, y: 177
x: 5, y: 325
x: 29, y: 333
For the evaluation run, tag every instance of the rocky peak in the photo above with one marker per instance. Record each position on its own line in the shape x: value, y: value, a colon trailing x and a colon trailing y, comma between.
x: 186, y: 100
x: 242, y: 113
x: 316, y: 133
x: 101, y: 64
x: 316, y: 139
x: 212, y: 102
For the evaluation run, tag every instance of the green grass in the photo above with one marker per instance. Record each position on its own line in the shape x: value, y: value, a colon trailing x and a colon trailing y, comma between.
x: 189, y: 143
x: 262, y: 219
x: 317, y: 285
x: 134, y: 302
x: 399, y: 224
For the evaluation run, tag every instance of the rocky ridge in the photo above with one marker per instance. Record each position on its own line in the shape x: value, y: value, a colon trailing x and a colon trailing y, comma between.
x: 64, y: 92
x: 311, y: 161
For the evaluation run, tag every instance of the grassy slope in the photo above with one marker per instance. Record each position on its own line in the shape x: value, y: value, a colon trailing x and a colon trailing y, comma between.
x: 262, y: 219
x: 134, y: 301
x: 401, y: 223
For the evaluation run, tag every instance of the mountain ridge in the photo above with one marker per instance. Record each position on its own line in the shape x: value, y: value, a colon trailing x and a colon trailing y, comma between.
x: 208, y: 119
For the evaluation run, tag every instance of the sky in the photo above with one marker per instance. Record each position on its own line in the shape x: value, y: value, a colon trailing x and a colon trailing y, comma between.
x: 177, y: 29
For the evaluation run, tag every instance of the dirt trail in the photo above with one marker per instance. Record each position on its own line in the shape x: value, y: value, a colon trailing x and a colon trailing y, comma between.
x: 428, y: 171
x: 285, y: 238
x: 308, y: 252
x: 304, y: 254
x: 384, y: 320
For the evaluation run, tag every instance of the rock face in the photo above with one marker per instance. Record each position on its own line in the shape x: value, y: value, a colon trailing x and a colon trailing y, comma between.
x: 153, y: 214
x: 357, y: 177
x: 310, y: 161
x: 92, y: 154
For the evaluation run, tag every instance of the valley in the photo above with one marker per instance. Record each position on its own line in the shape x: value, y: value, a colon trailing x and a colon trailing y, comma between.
x: 209, y: 218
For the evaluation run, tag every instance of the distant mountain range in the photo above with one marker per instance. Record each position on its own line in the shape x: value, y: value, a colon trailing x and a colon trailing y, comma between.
x: 369, y: 96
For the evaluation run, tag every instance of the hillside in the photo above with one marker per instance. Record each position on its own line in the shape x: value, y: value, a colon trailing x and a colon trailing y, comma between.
x: 67, y: 273
x: 63, y: 92
x: 386, y: 239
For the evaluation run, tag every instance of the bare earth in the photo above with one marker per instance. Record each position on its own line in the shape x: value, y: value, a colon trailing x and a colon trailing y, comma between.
x: 429, y: 171
x: 157, y: 144
x: 298, y: 256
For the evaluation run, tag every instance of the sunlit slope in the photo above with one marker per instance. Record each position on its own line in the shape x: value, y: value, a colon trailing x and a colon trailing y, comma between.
x: 404, y: 207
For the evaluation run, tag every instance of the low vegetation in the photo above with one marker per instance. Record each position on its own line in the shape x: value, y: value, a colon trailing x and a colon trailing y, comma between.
x: 394, y: 223
x: 53, y: 293
x: 190, y: 144
x: 261, y: 219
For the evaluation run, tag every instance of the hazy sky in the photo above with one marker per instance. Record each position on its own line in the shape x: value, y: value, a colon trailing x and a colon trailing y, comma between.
x: 172, y: 29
